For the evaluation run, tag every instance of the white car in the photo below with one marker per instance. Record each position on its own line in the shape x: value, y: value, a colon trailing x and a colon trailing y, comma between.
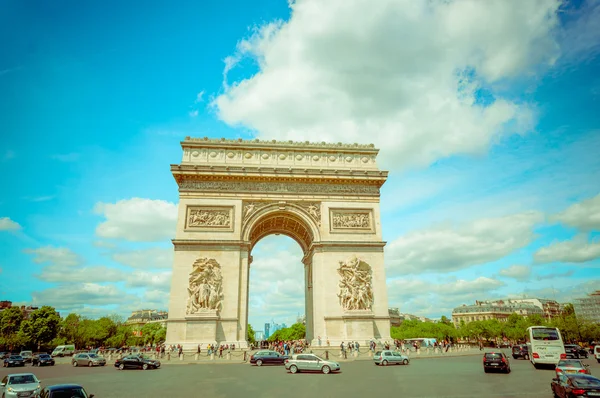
x: 20, y: 385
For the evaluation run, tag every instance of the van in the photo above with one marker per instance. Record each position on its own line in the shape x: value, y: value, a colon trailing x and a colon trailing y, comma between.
x: 63, y: 350
x: 597, y: 352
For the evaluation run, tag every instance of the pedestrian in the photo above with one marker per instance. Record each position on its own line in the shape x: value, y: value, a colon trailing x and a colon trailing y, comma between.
x: 199, y: 349
x: 319, y: 338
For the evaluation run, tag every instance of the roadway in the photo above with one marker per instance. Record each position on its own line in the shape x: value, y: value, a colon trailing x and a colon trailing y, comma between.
x: 424, y: 377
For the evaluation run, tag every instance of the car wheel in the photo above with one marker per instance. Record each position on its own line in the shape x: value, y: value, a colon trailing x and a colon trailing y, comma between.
x: 514, y: 357
x: 508, y: 370
x: 75, y: 364
x: 485, y: 370
x: 259, y: 363
x: 325, y: 369
x: 294, y: 369
x: 39, y: 364
x: 384, y: 363
x: 121, y: 367
x: 405, y: 362
x: 90, y: 364
x: 145, y: 366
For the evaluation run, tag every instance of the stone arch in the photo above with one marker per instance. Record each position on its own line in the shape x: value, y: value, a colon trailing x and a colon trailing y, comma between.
x: 285, y: 219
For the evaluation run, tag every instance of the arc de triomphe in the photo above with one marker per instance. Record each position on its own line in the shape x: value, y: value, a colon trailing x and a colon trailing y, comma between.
x: 233, y: 193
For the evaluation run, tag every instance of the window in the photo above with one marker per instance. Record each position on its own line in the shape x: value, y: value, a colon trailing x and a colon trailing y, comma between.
x: 544, y: 334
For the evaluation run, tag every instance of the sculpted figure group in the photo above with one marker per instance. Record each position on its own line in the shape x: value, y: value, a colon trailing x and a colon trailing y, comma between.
x: 205, y: 291
x: 351, y: 220
x: 210, y: 218
x: 355, y: 287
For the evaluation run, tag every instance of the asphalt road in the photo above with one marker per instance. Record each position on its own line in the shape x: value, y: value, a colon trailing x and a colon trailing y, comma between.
x: 432, y: 377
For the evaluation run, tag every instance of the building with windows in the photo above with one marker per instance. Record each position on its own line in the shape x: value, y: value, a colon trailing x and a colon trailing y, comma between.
x: 588, y: 307
x: 267, y: 330
x: 141, y: 317
x: 499, y: 309
x: 551, y: 308
x: 259, y: 335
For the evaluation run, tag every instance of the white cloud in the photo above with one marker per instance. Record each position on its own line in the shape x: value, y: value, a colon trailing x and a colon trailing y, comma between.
x: 80, y: 274
x: 155, y: 280
x: 424, y: 297
x: 518, y: 272
x: 193, y: 113
x: 581, y: 38
x: 578, y: 250
x: 6, y: 224
x: 153, y: 258
x: 76, y: 295
x: 584, y: 215
x: 407, y: 80
x: 66, y: 157
x: 60, y: 256
x: 104, y: 244
x: 137, y: 219
x: 199, y: 96
x: 449, y: 248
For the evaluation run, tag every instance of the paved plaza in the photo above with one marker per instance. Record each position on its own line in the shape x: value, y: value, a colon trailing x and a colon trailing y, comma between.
x: 456, y: 376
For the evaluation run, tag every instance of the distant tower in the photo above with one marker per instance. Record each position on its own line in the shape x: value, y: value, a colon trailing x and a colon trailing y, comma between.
x: 267, y: 327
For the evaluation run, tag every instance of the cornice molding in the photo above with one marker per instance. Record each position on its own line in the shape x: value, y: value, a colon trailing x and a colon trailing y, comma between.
x: 206, y: 142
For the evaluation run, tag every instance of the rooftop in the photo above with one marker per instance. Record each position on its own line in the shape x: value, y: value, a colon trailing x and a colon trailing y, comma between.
x: 256, y: 143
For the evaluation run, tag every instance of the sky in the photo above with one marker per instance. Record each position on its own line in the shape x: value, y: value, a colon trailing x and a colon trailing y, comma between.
x: 486, y: 115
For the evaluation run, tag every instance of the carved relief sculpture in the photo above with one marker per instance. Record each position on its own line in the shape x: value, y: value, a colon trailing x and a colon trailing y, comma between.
x: 355, y: 287
x: 349, y: 220
x: 205, y: 290
x: 209, y: 218
x: 314, y: 210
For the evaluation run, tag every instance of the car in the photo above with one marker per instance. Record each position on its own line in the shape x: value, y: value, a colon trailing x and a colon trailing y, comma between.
x: 14, y: 360
x: 20, y: 385
x: 390, y: 357
x: 566, y: 385
x: 268, y: 358
x: 65, y: 390
x: 495, y: 361
x: 137, y: 361
x: 310, y: 363
x: 572, y: 366
x: 575, y: 351
x: 42, y: 360
x: 90, y: 360
x: 27, y: 355
x: 520, y: 351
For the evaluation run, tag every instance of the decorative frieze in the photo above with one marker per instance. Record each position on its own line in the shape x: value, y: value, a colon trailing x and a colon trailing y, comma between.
x: 312, y: 209
x: 278, y: 187
x: 351, y: 220
x: 205, y: 287
x: 209, y: 217
x: 355, y: 289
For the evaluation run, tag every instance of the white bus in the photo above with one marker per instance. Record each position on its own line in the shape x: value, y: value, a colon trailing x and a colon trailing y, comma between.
x: 545, y: 345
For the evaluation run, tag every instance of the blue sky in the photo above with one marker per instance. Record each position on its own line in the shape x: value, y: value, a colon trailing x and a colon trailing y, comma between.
x: 486, y: 115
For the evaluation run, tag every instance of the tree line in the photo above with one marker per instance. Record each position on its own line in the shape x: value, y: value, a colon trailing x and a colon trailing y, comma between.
x: 44, y: 329
x: 514, y: 329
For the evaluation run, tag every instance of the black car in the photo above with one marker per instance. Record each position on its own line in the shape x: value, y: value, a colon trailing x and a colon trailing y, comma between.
x: 495, y: 361
x: 520, y: 351
x: 575, y: 351
x: 136, y: 362
x: 14, y: 360
x: 42, y: 360
x: 268, y: 358
x: 64, y: 390
x: 575, y: 385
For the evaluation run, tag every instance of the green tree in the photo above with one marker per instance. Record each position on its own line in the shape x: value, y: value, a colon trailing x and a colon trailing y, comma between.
x: 70, y: 329
x: 10, y: 324
x: 295, y: 332
x: 150, y: 331
x: 251, y: 335
x: 42, y: 326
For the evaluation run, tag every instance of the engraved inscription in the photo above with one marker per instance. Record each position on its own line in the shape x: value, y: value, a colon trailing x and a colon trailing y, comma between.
x: 295, y: 188
x: 205, y: 286
x: 355, y: 290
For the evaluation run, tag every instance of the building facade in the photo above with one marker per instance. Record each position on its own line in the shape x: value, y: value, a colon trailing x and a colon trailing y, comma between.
x: 588, y: 307
x: 141, y: 317
x: 500, y: 310
x: 551, y: 308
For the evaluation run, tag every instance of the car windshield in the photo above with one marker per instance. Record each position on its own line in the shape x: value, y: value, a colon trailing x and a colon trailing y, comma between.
x: 586, y: 382
x: 570, y: 363
x: 69, y: 393
x: 93, y: 356
x: 44, y: 356
x: 544, y: 334
x: 16, y: 357
x: 22, y: 379
x: 493, y: 355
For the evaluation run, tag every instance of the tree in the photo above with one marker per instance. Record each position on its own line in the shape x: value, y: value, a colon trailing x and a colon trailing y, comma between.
x: 295, y: 332
x: 150, y: 332
x: 42, y: 326
x: 10, y: 324
x: 251, y: 335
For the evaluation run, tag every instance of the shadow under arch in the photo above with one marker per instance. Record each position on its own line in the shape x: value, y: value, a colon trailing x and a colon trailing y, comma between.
x: 289, y: 219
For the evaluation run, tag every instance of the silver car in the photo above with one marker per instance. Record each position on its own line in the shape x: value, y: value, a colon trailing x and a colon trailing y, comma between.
x: 20, y: 385
x: 310, y: 363
x: 85, y: 359
x: 390, y: 357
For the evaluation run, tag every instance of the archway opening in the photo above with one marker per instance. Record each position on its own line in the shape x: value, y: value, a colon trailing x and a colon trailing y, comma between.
x: 277, y: 287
